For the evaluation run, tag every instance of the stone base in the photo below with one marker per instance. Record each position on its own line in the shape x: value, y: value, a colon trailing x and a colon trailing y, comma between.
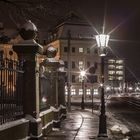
x: 15, y: 130
x: 35, y: 129
x: 57, y: 124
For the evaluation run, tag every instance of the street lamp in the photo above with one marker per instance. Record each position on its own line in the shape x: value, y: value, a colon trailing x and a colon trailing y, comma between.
x: 102, y: 43
x: 83, y: 73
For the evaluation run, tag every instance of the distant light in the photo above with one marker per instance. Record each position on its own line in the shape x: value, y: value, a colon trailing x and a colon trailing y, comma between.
x: 44, y: 99
x: 130, y: 88
x: 101, y: 85
x: 83, y: 73
x: 137, y: 88
x: 107, y: 88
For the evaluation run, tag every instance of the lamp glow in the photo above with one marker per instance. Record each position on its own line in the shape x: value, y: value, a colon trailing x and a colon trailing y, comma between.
x: 102, y: 40
x: 83, y: 73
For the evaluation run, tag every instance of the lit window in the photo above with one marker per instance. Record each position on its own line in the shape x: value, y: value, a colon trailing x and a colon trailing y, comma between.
x: 119, y: 78
x: 81, y: 50
x: 119, y: 61
x: 81, y: 64
x: 95, y: 91
x: 119, y: 67
x: 80, y: 78
x: 111, y: 61
x: 88, y: 91
x: 111, y: 72
x: 66, y: 91
x: 111, y: 66
x: 119, y: 72
x: 111, y: 78
x: 73, y: 92
x: 80, y: 91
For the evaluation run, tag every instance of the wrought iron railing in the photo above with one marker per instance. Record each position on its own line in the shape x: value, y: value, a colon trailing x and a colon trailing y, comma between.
x: 11, y: 90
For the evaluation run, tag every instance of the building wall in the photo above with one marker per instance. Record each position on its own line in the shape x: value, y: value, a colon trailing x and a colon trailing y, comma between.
x: 87, y: 57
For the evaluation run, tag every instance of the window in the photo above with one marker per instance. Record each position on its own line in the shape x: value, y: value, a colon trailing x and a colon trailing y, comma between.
x: 73, y: 49
x: 88, y: 91
x: 80, y: 78
x: 65, y: 49
x: 95, y: 91
x: 81, y: 50
x: 119, y: 61
x: 81, y: 64
x: 66, y: 64
x: 80, y: 91
x: 111, y: 66
x: 119, y: 67
x: 88, y: 64
x: 111, y: 78
x: 88, y: 50
x: 73, y: 92
x: 73, y: 64
x: 119, y: 78
x: 66, y: 90
x: 111, y: 61
x: 111, y: 72
x: 73, y: 78
x: 119, y: 72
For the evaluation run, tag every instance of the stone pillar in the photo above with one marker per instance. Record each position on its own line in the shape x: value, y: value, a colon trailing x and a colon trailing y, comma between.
x: 51, y: 70
x: 61, y: 89
x: 29, y: 51
x: 61, y: 94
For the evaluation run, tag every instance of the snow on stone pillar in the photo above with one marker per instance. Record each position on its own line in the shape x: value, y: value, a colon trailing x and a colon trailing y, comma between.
x: 29, y: 51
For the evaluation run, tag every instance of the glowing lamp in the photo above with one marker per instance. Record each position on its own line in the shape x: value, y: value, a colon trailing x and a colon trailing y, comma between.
x: 102, y: 42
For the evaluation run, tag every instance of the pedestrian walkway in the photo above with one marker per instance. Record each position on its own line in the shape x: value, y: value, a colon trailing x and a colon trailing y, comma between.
x: 79, y: 125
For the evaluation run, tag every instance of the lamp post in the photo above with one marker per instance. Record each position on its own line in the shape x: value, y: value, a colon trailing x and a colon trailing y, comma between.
x: 83, y: 73
x: 102, y: 43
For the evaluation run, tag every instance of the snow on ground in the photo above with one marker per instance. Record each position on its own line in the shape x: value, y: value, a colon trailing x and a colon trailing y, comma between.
x: 117, y: 128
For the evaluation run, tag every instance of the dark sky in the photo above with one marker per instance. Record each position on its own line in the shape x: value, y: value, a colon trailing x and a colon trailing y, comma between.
x: 121, y: 15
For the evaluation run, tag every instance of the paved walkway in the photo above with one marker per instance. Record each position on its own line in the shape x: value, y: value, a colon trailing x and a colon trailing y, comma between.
x: 79, y: 125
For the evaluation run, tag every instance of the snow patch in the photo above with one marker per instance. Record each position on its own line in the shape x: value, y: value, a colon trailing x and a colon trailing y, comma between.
x: 55, y: 129
x: 118, y: 128
x: 62, y: 106
x: 32, y: 119
x: 45, y: 112
x: 54, y: 109
x: 29, y: 26
x: 12, y: 124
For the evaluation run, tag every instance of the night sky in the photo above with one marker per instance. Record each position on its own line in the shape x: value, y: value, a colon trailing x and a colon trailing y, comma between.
x: 121, y: 15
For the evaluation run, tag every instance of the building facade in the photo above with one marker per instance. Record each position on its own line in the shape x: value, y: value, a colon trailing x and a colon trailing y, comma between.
x: 74, y: 39
x: 115, y: 75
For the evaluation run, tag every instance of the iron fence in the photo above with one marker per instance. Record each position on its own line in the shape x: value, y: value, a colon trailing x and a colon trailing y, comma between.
x: 11, y: 90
